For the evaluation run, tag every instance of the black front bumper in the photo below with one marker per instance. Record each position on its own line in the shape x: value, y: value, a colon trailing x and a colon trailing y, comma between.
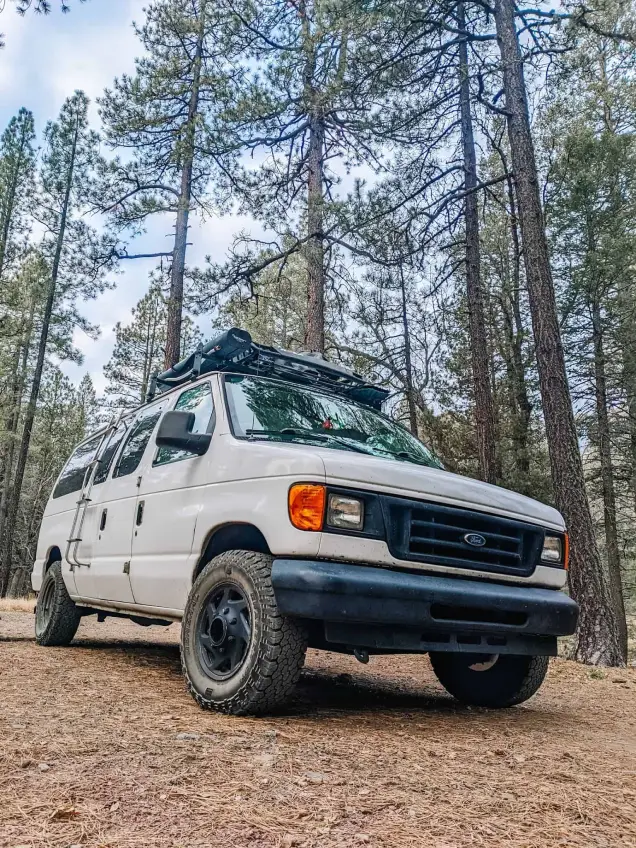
x: 387, y: 610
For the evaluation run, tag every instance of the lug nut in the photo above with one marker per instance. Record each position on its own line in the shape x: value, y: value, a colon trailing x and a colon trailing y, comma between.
x: 226, y: 611
x: 232, y: 621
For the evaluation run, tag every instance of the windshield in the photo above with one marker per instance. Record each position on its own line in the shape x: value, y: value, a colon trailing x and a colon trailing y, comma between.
x: 268, y: 409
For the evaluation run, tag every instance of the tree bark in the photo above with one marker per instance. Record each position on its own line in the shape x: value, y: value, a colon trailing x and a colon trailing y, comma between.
x: 408, y: 358
x: 607, y: 469
x: 598, y: 638
x: 482, y: 390
x: 6, y: 545
x: 315, y: 251
x: 175, y: 300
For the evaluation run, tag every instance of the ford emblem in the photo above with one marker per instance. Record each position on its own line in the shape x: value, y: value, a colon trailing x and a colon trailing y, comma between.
x: 475, y: 539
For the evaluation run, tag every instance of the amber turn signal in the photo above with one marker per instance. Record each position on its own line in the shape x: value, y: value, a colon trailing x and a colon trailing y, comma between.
x: 566, y: 552
x: 307, y: 506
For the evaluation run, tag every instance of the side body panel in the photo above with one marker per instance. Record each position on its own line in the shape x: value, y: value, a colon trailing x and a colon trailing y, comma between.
x: 186, y: 501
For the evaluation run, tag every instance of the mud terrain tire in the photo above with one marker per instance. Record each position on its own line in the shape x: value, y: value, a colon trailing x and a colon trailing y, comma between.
x: 509, y: 681
x: 56, y: 616
x: 238, y: 653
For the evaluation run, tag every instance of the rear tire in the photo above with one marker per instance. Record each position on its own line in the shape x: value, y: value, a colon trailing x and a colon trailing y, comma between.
x: 483, y: 681
x: 56, y: 616
x: 238, y: 653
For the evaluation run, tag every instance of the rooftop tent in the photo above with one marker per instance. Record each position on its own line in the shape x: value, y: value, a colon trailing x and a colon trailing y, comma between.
x: 235, y: 352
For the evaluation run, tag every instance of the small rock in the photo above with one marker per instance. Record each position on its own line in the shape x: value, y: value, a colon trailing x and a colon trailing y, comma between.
x: 44, y: 767
x: 270, y: 734
x: 289, y: 840
x: 188, y: 737
x: 314, y: 777
x: 163, y: 797
x: 362, y: 837
x: 265, y: 760
x: 26, y: 763
x: 114, y: 807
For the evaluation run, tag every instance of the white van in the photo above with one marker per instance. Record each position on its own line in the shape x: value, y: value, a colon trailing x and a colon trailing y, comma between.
x: 263, y: 499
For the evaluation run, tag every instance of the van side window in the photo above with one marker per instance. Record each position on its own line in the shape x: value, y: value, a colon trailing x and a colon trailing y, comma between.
x: 136, y: 443
x: 72, y: 477
x: 197, y: 400
x: 107, y: 455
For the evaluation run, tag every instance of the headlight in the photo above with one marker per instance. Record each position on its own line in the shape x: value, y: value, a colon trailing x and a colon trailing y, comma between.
x: 553, y: 550
x: 345, y: 513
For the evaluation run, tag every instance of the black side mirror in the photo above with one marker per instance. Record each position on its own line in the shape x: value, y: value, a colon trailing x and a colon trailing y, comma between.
x: 175, y: 431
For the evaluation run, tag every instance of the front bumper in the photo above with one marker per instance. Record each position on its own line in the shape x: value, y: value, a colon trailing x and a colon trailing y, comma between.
x: 377, y: 608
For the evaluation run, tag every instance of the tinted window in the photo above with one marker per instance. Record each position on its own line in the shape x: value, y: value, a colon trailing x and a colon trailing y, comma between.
x: 199, y: 401
x: 107, y: 456
x: 73, y: 474
x: 136, y: 443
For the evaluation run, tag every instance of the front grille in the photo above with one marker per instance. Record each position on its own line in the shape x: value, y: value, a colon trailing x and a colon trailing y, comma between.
x: 436, y: 534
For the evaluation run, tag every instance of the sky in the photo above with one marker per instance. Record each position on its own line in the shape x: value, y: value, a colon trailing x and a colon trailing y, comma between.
x: 44, y: 61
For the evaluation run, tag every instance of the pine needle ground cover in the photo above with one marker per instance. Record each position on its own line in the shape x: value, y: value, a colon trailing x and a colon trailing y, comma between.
x: 101, y: 746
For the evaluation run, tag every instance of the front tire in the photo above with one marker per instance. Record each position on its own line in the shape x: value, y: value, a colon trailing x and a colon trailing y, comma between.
x: 238, y: 653
x: 489, y: 681
x: 56, y: 616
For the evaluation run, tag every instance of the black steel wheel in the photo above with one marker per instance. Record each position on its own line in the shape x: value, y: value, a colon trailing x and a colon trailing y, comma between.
x: 56, y: 616
x: 238, y: 653
x: 224, y: 631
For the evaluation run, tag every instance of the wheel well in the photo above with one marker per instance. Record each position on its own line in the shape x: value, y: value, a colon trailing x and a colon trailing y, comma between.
x: 231, y: 537
x: 55, y: 555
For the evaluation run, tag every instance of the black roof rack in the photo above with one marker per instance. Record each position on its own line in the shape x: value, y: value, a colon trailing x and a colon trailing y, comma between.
x: 234, y: 351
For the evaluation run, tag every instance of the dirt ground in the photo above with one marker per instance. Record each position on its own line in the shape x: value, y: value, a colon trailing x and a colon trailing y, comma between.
x: 101, y: 746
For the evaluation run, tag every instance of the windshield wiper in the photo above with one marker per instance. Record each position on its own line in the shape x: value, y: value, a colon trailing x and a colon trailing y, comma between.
x: 288, y: 431
x: 307, y: 434
x: 412, y: 457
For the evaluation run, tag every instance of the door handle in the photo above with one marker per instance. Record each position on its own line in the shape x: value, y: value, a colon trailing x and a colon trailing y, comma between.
x: 140, y: 513
x: 102, y: 523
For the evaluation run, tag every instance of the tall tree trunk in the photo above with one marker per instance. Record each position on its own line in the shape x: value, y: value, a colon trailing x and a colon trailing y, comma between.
x: 514, y: 332
x: 175, y: 300
x: 315, y: 251
x: 6, y: 545
x: 482, y: 391
x: 408, y: 358
x: 607, y: 469
x: 599, y: 635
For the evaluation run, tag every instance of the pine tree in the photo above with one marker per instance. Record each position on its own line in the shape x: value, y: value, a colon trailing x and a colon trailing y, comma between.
x: 74, y: 256
x: 303, y: 111
x: 599, y: 637
x: 164, y: 115
x: 17, y: 168
x: 140, y: 349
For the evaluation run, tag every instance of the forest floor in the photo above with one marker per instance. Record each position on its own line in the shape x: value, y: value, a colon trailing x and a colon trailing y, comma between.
x: 101, y: 746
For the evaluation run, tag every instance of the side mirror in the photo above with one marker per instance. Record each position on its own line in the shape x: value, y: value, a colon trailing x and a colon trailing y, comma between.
x: 175, y: 431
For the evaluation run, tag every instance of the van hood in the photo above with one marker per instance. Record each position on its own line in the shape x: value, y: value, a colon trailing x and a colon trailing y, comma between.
x: 406, y: 479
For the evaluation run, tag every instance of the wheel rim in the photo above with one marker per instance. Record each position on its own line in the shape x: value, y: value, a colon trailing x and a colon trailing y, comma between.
x: 484, y: 663
x: 45, y: 605
x: 224, y: 631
